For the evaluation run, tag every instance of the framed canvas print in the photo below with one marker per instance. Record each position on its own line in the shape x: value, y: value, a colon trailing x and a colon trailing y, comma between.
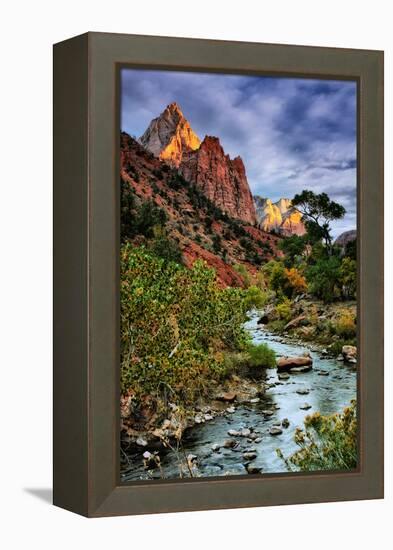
x: 218, y: 274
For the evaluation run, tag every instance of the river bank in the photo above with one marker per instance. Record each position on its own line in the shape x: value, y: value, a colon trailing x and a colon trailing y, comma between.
x: 241, y: 435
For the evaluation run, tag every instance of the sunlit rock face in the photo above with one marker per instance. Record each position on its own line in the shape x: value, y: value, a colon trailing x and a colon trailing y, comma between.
x: 170, y: 138
x: 222, y: 179
x: 279, y: 216
x: 170, y: 135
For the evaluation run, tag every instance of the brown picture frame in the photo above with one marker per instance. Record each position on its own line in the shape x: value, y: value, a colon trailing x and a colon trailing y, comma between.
x: 86, y: 274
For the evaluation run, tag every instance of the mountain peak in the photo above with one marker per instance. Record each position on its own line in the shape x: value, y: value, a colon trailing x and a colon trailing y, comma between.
x: 279, y: 216
x: 170, y: 135
x: 174, y: 107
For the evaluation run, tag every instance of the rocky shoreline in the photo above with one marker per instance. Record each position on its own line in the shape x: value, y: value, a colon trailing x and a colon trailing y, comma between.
x: 224, y: 403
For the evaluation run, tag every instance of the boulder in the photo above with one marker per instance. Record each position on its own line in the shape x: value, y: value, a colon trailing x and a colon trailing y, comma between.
x: 252, y: 468
x: 285, y: 423
x: 249, y: 455
x: 275, y: 430
x: 285, y: 364
x: 227, y: 397
x: 306, y: 368
x: 305, y: 406
x: 264, y: 319
x: 303, y: 391
x: 230, y: 443
x: 294, y: 323
x: 349, y: 352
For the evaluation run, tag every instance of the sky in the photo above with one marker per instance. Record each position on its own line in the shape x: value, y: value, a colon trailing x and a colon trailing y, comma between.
x: 292, y: 133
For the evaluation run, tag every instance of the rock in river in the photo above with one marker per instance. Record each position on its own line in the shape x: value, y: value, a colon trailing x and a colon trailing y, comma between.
x: 252, y: 468
x: 233, y: 433
x: 349, y: 352
x: 296, y: 370
x: 249, y: 455
x: 285, y: 423
x: 305, y: 406
x: 230, y: 443
x: 289, y: 363
x: 275, y: 430
x: 303, y: 391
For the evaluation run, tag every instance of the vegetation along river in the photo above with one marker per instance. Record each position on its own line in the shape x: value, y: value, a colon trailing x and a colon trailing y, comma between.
x: 331, y: 385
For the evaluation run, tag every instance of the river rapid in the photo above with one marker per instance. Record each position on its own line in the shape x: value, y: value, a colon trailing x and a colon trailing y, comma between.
x: 331, y: 385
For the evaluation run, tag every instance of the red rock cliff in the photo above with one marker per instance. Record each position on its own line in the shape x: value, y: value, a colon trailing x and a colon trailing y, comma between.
x: 223, y: 180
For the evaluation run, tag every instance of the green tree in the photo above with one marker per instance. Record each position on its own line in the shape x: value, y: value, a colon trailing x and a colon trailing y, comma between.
x: 318, y: 210
x: 348, y: 277
x: 324, y: 279
x: 292, y: 247
x: 217, y: 245
x: 176, y: 325
x: 164, y: 247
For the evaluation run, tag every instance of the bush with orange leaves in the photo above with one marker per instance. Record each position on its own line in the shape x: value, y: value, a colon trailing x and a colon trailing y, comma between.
x: 296, y: 283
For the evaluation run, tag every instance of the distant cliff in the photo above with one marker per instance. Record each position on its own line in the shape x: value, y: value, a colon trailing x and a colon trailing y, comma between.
x: 279, y: 216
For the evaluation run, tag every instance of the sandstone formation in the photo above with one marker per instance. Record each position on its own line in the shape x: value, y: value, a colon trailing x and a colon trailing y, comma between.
x: 170, y: 135
x: 222, y: 179
x: 279, y: 216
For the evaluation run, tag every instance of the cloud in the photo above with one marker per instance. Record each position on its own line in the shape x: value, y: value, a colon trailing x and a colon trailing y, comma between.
x: 292, y: 134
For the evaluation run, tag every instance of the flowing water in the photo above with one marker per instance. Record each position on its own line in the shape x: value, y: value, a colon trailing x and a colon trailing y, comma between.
x: 331, y: 386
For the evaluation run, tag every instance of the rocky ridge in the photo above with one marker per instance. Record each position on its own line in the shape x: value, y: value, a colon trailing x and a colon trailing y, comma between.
x: 279, y: 216
x: 223, y: 180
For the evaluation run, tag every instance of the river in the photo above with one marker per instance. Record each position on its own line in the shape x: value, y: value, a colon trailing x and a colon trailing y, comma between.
x: 331, y: 385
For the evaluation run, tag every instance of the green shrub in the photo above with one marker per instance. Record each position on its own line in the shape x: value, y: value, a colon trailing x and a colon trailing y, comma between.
x: 283, y: 310
x: 336, y: 347
x: 242, y: 270
x: 250, y: 363
x: 277, y: 325
x: 326, y: 442
x: 217, y: 245
x: 165, y: 248
x: 260, y: 355
x: 344, y: 326
x: 255, y: 298
x: 348, y: 277
x: 176, y: 324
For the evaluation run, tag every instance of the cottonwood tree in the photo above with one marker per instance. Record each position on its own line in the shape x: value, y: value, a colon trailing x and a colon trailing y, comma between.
x: 318, y: 210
